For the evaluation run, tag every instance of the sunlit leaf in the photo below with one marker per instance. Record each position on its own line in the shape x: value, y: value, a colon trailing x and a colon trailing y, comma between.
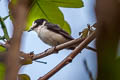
x: 2, y: 71
x: 23, y: 77
x: 68, y: 3
x: 47, y: 10
x: 66, y: 27
x: 84, y: 33
x: 2, y: 49
x: 2, y: 37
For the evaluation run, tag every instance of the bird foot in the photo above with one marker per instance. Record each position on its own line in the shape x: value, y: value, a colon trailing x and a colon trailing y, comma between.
x: 55, y: 50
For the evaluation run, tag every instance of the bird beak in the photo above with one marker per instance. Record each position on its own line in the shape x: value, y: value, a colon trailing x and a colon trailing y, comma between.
x: 29, y: 30
x: 32, y: 27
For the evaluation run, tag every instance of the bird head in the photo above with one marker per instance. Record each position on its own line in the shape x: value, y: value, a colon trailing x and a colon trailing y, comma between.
x: 37, y: 23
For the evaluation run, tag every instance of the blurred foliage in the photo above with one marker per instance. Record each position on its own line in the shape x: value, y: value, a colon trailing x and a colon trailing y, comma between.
x: 2, y: 49
x: 68, y: 3
x: 48, y: 9
x: 108, y: 38
x: 86, y: 31
x: 2, y: 71
x: 6, y: 17
x: 23, y: 77
x: 26, y: 61
x: 6, y: 36
x: 42, y: 9
x: 66, y: 27
x: 3, y: 26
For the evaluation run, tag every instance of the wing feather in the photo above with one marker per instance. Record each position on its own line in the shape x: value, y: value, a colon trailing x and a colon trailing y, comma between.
x: 57, y: 29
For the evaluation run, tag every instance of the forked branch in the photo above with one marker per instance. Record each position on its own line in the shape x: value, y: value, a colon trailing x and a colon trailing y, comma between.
x: 70, y: 57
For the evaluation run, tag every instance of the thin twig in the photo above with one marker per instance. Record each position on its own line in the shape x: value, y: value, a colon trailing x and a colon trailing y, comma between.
x: 6, y: 17
x: 70, y: 57
x: 87, y: 69
x: 90, y: 48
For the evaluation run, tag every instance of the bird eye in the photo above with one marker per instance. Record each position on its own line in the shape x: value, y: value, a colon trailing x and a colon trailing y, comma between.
x: 34, y: 25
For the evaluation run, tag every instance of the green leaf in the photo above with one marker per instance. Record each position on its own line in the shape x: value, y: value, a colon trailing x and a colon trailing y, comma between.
x: 68, y: 3
x: 84, y: 33
x: 2, y: 37
x: 6, y: 17
x: 66, y: 27
x: 44, y: 9
x: 4, y: 29
x: 2, y: 71
x: 2, y: 49
x: 23, y: 77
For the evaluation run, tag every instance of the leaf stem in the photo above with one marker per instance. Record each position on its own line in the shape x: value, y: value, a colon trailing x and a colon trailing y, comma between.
x: 6, y: 17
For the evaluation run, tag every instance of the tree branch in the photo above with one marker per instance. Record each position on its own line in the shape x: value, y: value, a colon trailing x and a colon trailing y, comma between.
x: 70, y: 57
x: 19, y: 13
x: 57, y: 48
x: 90, y: 48
x: 88, y: 71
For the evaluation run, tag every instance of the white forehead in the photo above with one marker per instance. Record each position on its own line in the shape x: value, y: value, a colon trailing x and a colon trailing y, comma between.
x: 44, y: 22
x: 33, y: 24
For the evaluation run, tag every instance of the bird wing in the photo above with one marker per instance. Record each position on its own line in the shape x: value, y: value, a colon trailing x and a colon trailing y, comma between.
x: 57, y: 29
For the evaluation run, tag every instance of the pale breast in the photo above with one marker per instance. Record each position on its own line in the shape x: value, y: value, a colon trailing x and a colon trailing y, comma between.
x: 51, y: 37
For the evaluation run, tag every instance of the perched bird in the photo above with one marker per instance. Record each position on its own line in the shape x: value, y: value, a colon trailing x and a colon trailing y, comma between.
x: 49, y: 33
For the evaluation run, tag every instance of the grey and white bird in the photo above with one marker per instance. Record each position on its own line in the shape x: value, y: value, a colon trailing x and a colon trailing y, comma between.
x: 49, y: 33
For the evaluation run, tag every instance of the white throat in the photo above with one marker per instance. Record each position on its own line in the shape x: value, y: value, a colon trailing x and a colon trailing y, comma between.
x: 40, y: 27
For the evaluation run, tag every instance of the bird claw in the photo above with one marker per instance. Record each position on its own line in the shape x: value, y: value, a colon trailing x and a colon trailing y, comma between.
x: 55, y: 50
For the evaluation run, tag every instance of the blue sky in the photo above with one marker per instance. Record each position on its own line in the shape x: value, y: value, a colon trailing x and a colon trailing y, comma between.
x: 78, y: 19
